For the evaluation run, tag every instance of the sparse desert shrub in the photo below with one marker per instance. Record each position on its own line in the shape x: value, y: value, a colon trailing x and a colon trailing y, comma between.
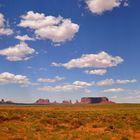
x: 60, y: 127
x: 109, y: 128
x: 75, y: 123
x: 3, y: 119
x: 15, y: 117
x: 94, y: 126
x: 136, y: 126
x: 125, y: 138
x: 50, y: 121
x: 17, y: 138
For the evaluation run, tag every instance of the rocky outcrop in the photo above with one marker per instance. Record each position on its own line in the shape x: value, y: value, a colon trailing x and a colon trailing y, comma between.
x: 42, y: 101
x: 95, y: 100
x: 84, y: 100
x: 2, y: 101
x: 6, y: 102
x: 66, y: 102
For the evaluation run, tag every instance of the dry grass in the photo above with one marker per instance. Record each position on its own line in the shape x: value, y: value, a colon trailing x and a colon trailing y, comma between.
x: 70, y: 122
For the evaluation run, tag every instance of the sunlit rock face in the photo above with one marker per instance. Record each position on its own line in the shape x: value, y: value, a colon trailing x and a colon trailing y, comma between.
x: 42, y: 101
x: 95, y: 100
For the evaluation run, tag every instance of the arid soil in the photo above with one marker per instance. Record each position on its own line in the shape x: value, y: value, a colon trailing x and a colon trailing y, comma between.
x: 70, y: 122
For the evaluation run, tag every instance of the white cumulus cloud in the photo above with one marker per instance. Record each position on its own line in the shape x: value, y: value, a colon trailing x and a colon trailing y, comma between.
x: 106, y: 82
x: 9, y: 78
x: 100, y: 60
x: 77, y: 85
x: 96, y: 72
x: 24, y: 38
x: 114, y: 90
x: 83, y: 84
x: 56, y: 29
x: 126, y: 81
x: 100, y: 6
x: 4, y: 29
x: 53, y: 80
x: 18, y: 52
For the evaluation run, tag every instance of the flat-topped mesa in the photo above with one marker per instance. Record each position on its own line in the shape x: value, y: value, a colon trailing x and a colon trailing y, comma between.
x: 95, y: 100
x: 42, y: 101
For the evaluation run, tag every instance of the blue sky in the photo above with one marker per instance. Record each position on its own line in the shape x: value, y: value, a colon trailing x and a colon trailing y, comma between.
x: 69, y: 49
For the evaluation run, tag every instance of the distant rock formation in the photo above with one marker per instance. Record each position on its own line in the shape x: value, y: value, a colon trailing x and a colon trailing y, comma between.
x: 2, y: 101
x: 84, y: 100
x: 42, y: 101
x: 67, y: 102
x: 9, y: 102
x: 95, y: 100
x: 6, y: 102
x: 77, y: 102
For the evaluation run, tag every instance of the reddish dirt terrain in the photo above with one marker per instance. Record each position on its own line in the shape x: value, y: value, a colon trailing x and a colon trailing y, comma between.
x: 70, y: 122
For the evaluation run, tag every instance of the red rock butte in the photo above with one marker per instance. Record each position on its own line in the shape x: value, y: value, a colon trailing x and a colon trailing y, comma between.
x: 42, y: 101
x: 95, y: 100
